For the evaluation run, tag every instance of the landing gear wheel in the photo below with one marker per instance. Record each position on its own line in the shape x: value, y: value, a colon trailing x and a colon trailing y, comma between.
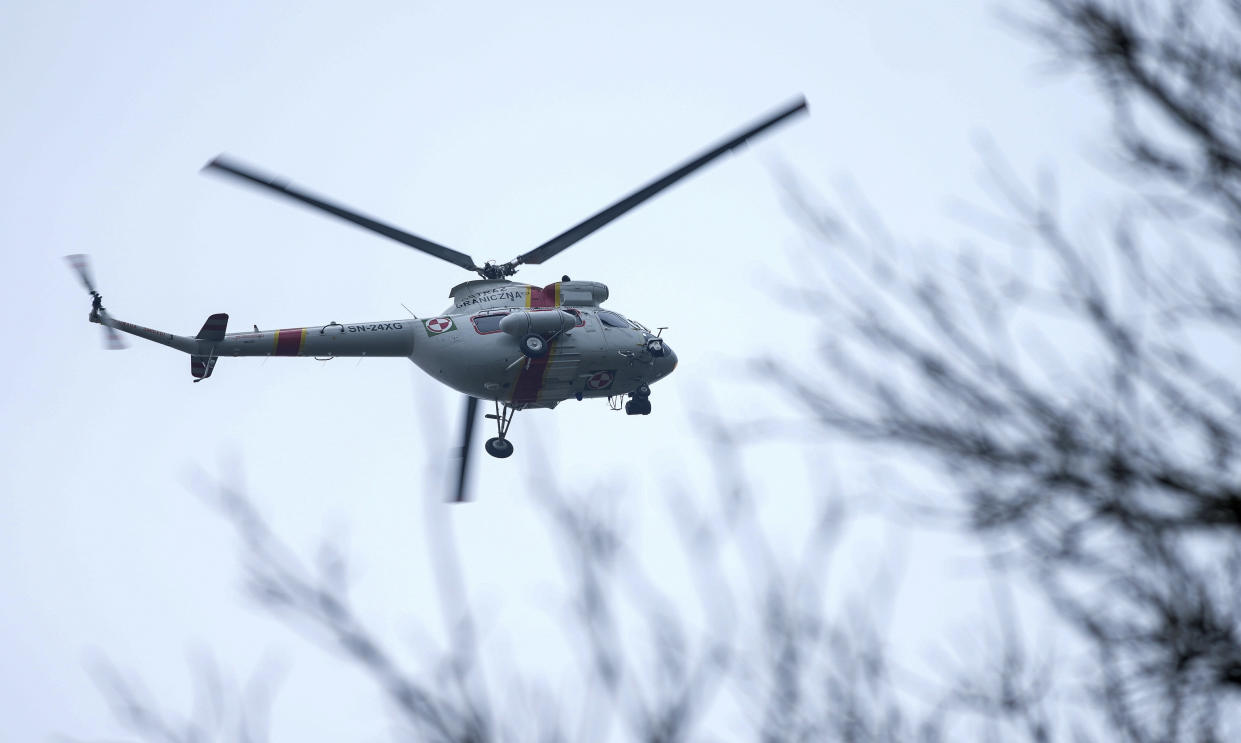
x: 655, y: 347
x: 499, y: 448
x: 638, y: 406
x: 533, y: 345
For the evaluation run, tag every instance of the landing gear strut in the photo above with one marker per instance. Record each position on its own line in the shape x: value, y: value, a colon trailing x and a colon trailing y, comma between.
x: 639, y: 401
x: 500, y: 447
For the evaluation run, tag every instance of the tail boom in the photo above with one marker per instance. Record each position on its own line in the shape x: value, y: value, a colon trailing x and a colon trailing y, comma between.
x: 179, y: 342
x: 380, y: 339
x: 392, y: 339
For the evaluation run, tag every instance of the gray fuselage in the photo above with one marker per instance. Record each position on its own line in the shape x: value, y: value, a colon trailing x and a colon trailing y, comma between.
x: 473, y: 346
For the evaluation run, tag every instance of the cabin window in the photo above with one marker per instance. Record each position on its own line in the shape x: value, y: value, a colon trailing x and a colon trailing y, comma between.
x: 485, y: 324
x: 611, y: 319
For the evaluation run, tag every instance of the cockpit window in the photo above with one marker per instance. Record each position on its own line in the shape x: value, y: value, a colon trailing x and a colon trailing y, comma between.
x: 489, y: 323
x: 638, y: 326
x: 612, y: 319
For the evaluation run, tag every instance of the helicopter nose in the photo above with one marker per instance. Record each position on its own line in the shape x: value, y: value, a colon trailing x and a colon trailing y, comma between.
x: 666, y: 363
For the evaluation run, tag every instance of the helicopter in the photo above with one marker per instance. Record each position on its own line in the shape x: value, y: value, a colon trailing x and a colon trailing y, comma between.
x: 518, y: 346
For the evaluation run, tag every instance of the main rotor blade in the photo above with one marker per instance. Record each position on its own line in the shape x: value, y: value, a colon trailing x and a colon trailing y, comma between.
x: 234, y: 168
x: 577, y: 232
x: 81, y: 265
x: 467, y: 434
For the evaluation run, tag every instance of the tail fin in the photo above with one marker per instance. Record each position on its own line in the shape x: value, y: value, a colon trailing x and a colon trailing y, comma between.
x: 201, y: 367
x: 213, y: 329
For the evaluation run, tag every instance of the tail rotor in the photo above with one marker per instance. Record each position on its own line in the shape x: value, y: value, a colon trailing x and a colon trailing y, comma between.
x: 111, y: 338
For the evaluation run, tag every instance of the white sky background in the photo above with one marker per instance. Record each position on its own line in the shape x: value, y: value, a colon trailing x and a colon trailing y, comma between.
x: 488, y: 128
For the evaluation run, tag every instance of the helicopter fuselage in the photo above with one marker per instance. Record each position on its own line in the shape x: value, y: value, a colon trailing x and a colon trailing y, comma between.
x: 474, y: 345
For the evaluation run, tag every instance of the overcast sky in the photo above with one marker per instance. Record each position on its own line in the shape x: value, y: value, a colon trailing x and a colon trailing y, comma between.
x: 485, y: 127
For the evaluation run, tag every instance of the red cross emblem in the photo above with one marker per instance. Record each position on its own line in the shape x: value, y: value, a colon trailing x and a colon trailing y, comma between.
x: 600, y: 380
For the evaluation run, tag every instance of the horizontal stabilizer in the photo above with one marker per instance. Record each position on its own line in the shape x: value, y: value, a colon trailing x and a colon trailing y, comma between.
x: 213, y: 329
x: 201, y: 367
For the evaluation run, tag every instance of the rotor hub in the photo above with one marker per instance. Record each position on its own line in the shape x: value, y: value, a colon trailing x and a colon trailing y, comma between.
x: 493, y: 270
